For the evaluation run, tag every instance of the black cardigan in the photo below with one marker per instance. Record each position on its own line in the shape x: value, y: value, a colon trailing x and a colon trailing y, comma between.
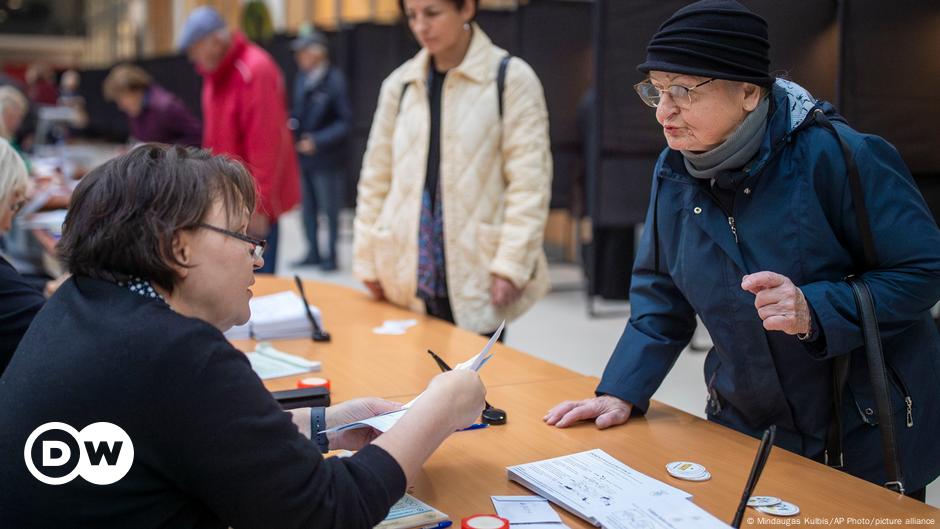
x: 19, y: 303
x: 212, y: 447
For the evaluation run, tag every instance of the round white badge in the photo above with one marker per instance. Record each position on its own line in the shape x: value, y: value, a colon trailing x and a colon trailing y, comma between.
x: 762, y: 501
x: 688, y: 471
x: 784, y: 508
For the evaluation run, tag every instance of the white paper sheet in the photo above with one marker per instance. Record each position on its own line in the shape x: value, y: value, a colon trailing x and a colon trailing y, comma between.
x: 588, y: 482
x: 382, y: 423
x: 395, y: 327
x: 526, y: 510
x: 663, y: 512
x: 269, y: 362
x: 474, y: 363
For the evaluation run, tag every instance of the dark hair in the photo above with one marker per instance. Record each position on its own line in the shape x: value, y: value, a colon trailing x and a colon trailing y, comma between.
x: 125, y: 213
x: 458, y: 3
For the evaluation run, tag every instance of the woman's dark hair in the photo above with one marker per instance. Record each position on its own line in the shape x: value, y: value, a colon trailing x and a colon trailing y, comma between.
x: 124, y: 214
x: 458, y: 3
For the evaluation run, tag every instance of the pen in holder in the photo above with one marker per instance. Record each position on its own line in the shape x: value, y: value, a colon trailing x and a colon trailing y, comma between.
x: 763, y: 453
x: 319, y: 335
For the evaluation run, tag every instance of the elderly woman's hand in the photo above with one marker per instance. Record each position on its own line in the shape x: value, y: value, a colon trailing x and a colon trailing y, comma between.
x: 606, y: 410
x: 780, y: 304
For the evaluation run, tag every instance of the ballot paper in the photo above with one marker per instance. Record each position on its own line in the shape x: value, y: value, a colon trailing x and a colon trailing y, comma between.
x: 587, y: 483
x: 269, y: 362
x: 527, y: 512
x: 281, y: 315
x: 384, y: 422
x: 474, y: 363
x: 662, y: 512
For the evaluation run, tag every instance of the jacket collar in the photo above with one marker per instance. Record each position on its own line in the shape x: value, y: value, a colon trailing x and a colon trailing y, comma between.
x: 476, y: 65
x: 791, y: 110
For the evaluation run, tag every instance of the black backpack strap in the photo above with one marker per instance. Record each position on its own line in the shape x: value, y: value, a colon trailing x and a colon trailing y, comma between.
x: 401, y: 97
x: 501, y: 81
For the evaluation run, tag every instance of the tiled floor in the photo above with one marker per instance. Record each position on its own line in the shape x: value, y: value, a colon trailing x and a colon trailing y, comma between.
x: 557, y: 329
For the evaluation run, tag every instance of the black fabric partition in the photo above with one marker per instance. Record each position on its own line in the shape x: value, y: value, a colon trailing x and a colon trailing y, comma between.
x: 890, y: 76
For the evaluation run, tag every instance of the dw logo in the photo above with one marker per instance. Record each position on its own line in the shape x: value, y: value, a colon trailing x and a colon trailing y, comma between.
x: 102, y: 453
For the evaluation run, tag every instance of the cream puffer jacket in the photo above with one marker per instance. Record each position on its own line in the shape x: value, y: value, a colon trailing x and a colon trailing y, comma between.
x: 495, y: 178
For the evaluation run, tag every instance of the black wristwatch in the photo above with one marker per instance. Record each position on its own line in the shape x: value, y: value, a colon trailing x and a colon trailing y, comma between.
x: 317, y: 425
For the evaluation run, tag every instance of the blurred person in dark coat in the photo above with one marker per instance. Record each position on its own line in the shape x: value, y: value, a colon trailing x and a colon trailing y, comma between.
x: 321, y: 119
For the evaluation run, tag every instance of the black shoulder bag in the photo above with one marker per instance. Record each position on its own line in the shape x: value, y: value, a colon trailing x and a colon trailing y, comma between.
x: 872, y: 337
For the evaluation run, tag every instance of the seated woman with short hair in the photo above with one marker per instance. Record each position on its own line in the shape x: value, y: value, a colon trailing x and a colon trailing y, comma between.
x: 19, y: 301
x: 161, y: 265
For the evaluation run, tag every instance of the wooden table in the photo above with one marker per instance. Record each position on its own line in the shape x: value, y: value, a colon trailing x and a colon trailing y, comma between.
x: 361, y: 363
x: 471, y: 466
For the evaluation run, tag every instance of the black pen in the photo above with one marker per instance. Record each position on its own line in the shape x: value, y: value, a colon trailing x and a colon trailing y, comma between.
x: 319, y: 335
x: 763, y: 453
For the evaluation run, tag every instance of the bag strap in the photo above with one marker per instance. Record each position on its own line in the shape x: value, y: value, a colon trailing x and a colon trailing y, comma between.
x: 872, y: 337
x: 879, y: 382
x: 500, y: 85
x: 858, y: 194
x: 501, y: 81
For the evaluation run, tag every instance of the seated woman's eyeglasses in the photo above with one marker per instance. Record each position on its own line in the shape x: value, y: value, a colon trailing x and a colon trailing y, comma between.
x: 257, y: 248
x: 681, y: 95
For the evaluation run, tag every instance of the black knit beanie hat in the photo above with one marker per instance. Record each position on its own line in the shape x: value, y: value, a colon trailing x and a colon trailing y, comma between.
x: 712, y: 38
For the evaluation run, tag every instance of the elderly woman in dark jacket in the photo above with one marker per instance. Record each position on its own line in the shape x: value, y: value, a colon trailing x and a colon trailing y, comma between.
x: 162, y: 266
x: 752, y: 227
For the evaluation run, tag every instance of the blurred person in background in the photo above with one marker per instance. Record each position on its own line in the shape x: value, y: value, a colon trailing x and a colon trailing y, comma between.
x: 321, y: 118
x: 456, y: 180
x: 40, y: 85
x: 245, y: 115
x: 70, y: 96
x: 155, y: 114
x: 13, y: 108
x: 19, y: 300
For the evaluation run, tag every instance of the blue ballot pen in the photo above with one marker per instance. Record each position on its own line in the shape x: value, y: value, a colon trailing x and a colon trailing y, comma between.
x: 474, y: 426
x: 442, y: 525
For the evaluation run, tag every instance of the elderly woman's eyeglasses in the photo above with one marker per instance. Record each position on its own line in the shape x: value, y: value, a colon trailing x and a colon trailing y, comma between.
x: 257, y: 249
x: 681, y: 95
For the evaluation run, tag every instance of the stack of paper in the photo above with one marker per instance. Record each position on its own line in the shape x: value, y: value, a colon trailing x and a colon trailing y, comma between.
x: 268, y: 362
x: 275, y: 316
x: 607, y: 493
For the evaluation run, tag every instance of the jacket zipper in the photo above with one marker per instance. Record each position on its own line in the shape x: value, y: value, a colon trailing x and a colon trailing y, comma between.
x: 907, y: 395
x: 728, y: 214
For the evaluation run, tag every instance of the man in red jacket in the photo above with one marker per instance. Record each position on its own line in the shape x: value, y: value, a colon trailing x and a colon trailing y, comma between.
x: 244, y: 107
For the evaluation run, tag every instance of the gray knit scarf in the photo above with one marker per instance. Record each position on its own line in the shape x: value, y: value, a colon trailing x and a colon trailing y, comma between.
x: 735, y: 151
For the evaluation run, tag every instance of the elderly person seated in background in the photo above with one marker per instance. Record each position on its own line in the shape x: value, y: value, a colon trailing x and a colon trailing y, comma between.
x: 19, y: 301
x: 13, y: 108
x: 156, y: 240
x: 155, y: 115
x: 752, y: 227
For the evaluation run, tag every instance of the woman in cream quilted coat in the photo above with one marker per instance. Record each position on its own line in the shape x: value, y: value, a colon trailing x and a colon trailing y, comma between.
x: 453, y: 195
